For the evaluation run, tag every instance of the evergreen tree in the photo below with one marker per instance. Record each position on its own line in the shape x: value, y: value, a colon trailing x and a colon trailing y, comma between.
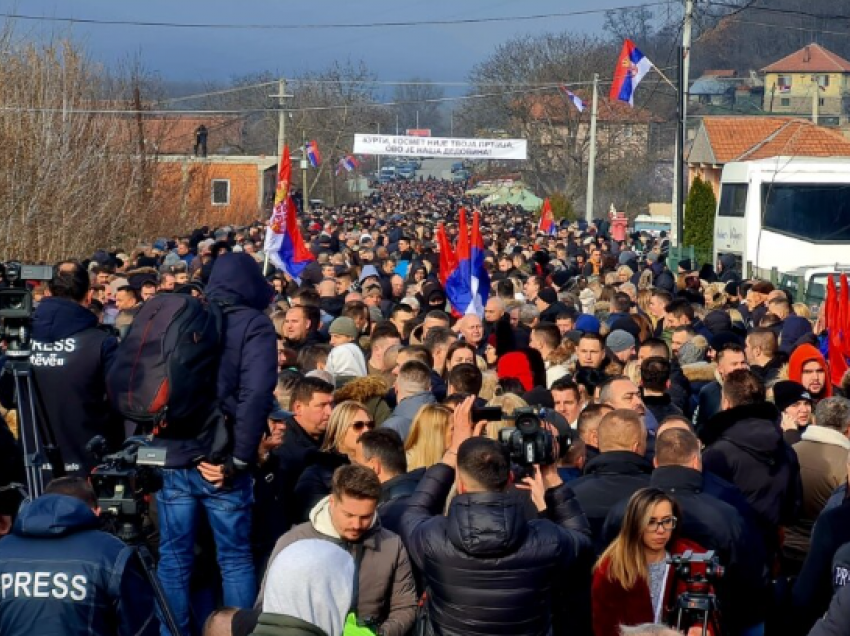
x: 699, y: 216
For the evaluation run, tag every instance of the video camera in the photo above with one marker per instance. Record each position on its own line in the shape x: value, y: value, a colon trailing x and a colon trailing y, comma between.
x: 528, y: 442
x: 697, y: 605
x: 16, y: 305
x: 122, y: 481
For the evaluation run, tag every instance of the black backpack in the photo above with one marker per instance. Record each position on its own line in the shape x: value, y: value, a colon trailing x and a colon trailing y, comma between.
x: 165, y: 371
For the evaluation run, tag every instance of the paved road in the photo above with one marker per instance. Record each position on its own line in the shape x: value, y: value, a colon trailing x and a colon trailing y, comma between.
x: 438, y: 168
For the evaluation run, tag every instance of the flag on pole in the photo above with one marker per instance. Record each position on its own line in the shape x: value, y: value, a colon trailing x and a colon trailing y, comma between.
x: 480, y: 285
x: 572, y: 97
x: 284, y: 245
x: 347, y: 163
x: 547, y: 220
x: 836, y: 307
x: 313, y: 154
x: 632, y: 66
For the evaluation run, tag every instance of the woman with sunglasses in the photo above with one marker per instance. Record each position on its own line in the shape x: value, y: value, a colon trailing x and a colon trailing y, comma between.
x: 348, y: 422
x: 632, y: 581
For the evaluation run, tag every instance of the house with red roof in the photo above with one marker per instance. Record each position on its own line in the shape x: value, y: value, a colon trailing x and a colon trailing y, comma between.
x: 792, y: 84
x: 722, y: 140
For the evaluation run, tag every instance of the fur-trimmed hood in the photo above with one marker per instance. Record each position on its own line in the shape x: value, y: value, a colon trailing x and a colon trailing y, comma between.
x: 700, y: 372
x: 362, y: 390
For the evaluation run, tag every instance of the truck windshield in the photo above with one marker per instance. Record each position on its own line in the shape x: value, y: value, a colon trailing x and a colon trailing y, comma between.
x: 733, y: 200
x: 813, y: 212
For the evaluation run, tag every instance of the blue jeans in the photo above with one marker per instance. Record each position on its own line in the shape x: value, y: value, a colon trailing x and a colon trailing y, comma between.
x: 228, y: 509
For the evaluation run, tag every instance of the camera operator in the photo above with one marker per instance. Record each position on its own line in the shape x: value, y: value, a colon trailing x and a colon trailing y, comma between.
x: 486, y: 538
x: 60, y: 575
x: 70, y: 357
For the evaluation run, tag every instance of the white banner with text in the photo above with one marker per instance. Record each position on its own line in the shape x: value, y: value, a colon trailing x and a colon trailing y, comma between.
x: 441, y: 147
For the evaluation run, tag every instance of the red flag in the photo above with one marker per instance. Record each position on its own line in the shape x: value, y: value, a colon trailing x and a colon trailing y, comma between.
x: 448, y: 260
x: 832, y: 321
x: 463, y: 237
x: 844, y: 316
x: 547, y: 220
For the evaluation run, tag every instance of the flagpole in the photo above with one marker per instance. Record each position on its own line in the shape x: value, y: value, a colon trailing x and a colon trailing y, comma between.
x: 591, y: 161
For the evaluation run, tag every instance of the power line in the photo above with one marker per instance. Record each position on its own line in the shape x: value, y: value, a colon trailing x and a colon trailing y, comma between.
x: 796, y: 12
x: 292, y: 27
x: 788, y: 27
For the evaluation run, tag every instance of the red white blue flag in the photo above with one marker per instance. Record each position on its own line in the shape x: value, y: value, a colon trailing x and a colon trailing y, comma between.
x: 313, y: 154
x: 631, y: 68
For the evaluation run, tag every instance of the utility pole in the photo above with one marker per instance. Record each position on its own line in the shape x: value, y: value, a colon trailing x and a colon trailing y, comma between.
x: 396, y: 124
x: 591, y: 161
x: 680, y: 189
x: 417, y: 119
x: 451, y: 123
x: 378, y: 124
x: 305, y: 197
x: 816, y: 100
x: 281, y: 118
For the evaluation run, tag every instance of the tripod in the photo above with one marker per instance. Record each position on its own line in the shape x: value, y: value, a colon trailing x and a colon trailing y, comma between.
x: 34, y: 430
x: 697, y: 608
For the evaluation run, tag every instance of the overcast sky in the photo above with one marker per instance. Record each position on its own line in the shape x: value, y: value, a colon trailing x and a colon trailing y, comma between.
x: 440, y: 53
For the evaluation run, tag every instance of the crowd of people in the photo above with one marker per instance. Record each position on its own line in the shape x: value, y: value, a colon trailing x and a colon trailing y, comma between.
x: 363, y: 489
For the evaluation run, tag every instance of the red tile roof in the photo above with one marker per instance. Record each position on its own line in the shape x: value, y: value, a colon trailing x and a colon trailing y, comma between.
x: 810, y: 59
x: 720, y: 73
x: 749, y: 138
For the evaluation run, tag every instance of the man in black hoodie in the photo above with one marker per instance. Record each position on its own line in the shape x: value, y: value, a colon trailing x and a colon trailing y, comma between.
x: 201, y: 472
x: 70, y: 358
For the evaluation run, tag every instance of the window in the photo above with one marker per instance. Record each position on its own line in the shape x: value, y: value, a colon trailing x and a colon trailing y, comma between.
x: 733, y: 200
x: 784, y: 83
x: 821, y: 101
x: 813, y: 212
x: 823, y: 81
x: 221, y: 192
x: 785, y: 102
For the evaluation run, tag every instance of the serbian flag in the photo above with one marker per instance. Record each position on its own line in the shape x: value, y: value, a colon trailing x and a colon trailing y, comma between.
x: 631, y: 68
x: 572, y: 97
x: 313, y: 154
x: 348, y: 164
x: 547, y: 220
x: 283, y: 243
x: 448, y: 259
x: 468, y: 284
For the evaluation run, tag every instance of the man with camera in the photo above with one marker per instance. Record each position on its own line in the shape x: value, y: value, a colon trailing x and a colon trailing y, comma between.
x: 487, y: 568
x: 60, y: 575
x: 70, y: 357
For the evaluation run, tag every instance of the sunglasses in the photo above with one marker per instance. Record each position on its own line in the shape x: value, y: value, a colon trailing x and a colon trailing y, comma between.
x: 359, y: 426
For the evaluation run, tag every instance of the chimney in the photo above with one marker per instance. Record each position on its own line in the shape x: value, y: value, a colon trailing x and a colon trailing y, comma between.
x: 807, y: 55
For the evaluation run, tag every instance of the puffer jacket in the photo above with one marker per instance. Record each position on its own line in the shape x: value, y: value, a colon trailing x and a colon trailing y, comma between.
x: 280, y: 625
x: 489, y: 571
x: 402, y: 418
x: 387, y: 593
x: 67, y: 577
x: 371, y: 392
x: 744, y: 445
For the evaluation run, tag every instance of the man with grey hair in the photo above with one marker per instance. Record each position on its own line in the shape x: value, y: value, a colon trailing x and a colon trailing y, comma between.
x: 822, y: 453
x: 648, y: 629
x: 413, y: 389
x: 472, y: 329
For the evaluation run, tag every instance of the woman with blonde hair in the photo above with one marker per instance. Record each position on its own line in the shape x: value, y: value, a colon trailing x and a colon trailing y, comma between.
x: 508, y: 402
x: 632, y: 579
x: 430, y: 435
x: 348, y: 422
x: 715, y: 296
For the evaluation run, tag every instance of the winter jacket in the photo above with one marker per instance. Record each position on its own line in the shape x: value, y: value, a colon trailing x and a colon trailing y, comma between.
x: 346, y: 362
x: 369, y: 391
x: 488, y: 570
x: 837, y: 616
x: 386, y: 589
x: 293, y: 457
x: 609, y: 478
x: 395, y: 495
x: 402, y: 418
x: 70, y: 360
x: 715, y: 525
x: 279, y: 625
x: 69, y: 577
x: 822, y: 454
x: 661, y: 406
x: 315, y: 482
x: 813, y: 587
x: 744, y: 445
x: 614, y: 606
x: 709, y: 404
x: 11, y: 471
x: 247, y: 370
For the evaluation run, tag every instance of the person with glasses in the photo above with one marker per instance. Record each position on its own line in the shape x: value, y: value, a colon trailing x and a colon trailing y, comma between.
x: 632, y: 579
x: 349, y: 420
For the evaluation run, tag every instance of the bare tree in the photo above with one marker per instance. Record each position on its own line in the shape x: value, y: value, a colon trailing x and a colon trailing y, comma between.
x: 417, y: 105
